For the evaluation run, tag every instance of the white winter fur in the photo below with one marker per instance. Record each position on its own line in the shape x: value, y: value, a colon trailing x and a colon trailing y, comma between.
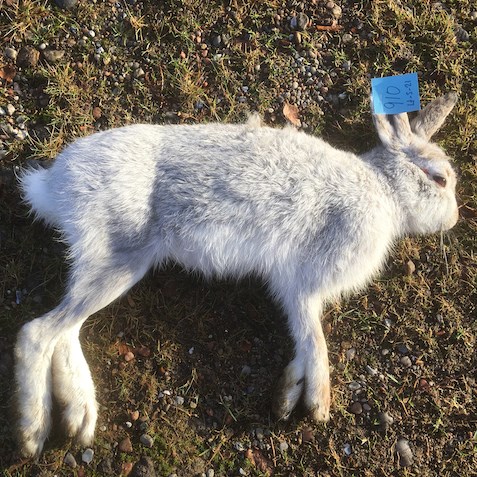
x: 226, y: 200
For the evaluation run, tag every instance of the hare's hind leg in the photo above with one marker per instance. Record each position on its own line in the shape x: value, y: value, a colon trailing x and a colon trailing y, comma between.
x: 48, y: 354
x: 308, y: 373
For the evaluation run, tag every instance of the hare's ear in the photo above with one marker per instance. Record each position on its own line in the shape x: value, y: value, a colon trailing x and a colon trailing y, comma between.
x: 432, y: 117
x: 393, y: 130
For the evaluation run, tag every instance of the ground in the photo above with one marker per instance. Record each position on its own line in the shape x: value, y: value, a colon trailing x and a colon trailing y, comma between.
x: 192, y: 363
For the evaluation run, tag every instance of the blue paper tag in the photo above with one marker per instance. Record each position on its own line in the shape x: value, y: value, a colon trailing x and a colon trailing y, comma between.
x: 395, y: 94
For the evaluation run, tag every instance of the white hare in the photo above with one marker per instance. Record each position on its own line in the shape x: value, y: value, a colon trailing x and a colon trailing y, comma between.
x: 226, y: 200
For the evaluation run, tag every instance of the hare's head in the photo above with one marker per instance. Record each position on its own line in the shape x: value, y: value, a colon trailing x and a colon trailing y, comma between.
x: 428, y: 193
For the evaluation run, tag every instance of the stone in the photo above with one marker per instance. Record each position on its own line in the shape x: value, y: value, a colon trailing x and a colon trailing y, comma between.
x: 28, y: 57
x: 147, y: 440
x: 356, y: 408
x: 70, y: 461
x: 125, y: 445
x: 11, y: 53
x: 143, y: 468
x: 87, y: 456
x: 404, y: 452
x: 66, y: 4
x: 53, y: 56
x: 299, y: 22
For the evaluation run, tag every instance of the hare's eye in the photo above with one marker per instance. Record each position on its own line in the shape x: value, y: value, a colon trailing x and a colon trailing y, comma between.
x: 440, y: 180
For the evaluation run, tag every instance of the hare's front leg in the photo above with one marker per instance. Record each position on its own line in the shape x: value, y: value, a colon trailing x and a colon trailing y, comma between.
x: 308, y: 373
x: 73, y: 388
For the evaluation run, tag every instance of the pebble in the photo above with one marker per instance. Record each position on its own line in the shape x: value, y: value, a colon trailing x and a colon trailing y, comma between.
x: 385, y: 420
x: 283, y: 446
x: 246, y: 371
x: 210, y: 473
x: 402, y: 348
x: 144, y: 467
x: 350, y: 354
x: 406, y: 361
x: 10, y: 109
x: 473, y: 16
x: 53, y: 56
x: 299, y: 22
x: 11, y: 53
x: 147, y: 440
x: 354, y: 386
x: 125, y: 445
x: 106, y: 466
x: 347, y: 38
x: 409, y: 267
x: 87, y: 456
x: 179, y: 400
x: 337, y: 11
x: 404, y: 452
x: 347, y: 449
x: 356, y: 408
x: 69, y: 460
x: 66, y: 4
x: 461, y: 34
x: 28, y: 57
x: 259, y: 433
x: 129, y: 356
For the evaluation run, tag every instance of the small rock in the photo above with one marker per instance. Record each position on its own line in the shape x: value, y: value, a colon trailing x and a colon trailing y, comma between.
x: 347, y: 449
x: 87, y: 456
x: 66, y: 4
x: 147, y: 440
x: 134, y: 415
x: 53, y: 56
x: 70, y: 461
x: 106, y: 467
x: 97, y: 113
x: 283, y: 446
x: 126, y: 468
x: 366, y: 407
x: 10, y: 109
x: 143, y: 468
x: 299, y: 22
x: 216, y: 41
x: 246, y: 371
x: 356, y: 408
x: 350, y: 354
x: 406, y: 361
x: 404, y: 452
x: 129, y: 356
x: 307, y: 434
x: 347, y: 38
x: 402, y: 348
x: 210, y: 473
x: 385, y: 420
x: 409, y: 267
x: 337, y: 11
x: 354, y: 386
x: 473, y: 16
x: 461, y: 34
x: 125, y: 445
x: 179, y: 400
x: 259, y: 434
x: 28, y: 57
x: 11, y: 53
x: 139, y: 73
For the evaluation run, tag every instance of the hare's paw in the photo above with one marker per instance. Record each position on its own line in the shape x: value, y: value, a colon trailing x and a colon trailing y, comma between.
x: 74, y: 389
x: 317, y: 395
x: 33, y: 427
x: 289, y: 389
x: 79, y: 420
x: 33, y: 388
